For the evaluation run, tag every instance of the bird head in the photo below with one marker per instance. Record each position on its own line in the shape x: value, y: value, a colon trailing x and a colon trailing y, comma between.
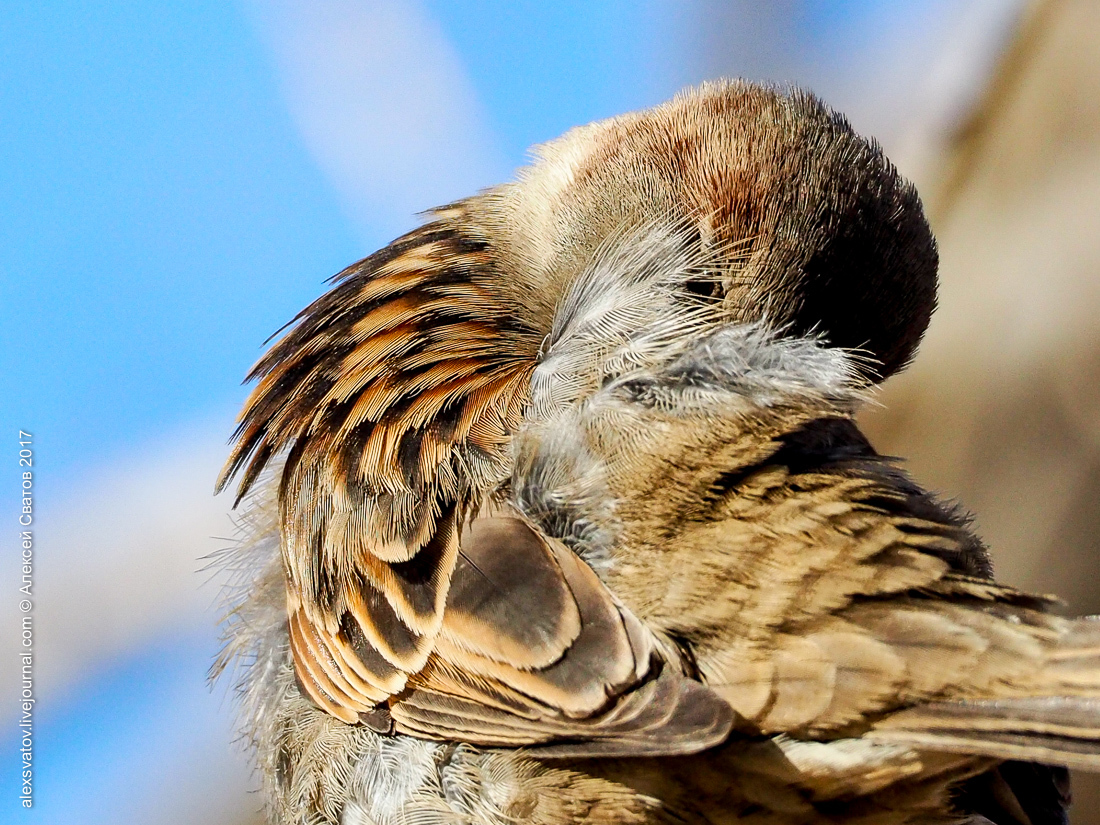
x: 804, y: 224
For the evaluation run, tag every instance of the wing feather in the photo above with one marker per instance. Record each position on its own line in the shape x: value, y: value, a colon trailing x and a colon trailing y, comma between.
x: 534, y: 649
x: 403, y: 379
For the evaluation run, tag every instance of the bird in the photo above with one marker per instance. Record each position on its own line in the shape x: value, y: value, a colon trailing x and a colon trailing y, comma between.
x: 557, y: 511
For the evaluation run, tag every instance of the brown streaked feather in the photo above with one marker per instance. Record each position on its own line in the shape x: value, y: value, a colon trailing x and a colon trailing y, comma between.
x: 322, y: 677
x: 508, y: 600
x: 382, y: 631
x: 450, y: 679
x: 588, y: 670
x: 672, y: 716
x: 802, y: 685
x: 337, y: 661
x: 534, y: 649
x: 1035, y: 693
x: 418, y: 587
x: 868, y: 673
x: 1043, y: 729
x: 386, y: 395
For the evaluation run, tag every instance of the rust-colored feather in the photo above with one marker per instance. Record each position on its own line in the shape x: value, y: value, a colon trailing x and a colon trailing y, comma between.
x: 383, y: 395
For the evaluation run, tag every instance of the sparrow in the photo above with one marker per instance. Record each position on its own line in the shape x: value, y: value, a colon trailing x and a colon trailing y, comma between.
x: 558, y: 511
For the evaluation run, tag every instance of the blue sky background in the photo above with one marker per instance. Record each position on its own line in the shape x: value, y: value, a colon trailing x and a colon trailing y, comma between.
x: 161, y: 220
x: 163, y: 209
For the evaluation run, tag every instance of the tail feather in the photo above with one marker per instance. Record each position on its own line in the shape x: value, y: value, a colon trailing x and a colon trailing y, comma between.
x: 1054, y: 720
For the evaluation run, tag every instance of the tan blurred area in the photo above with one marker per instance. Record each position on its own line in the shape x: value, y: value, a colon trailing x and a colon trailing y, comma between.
x: 1001, y: 409
x: 1002, y: 406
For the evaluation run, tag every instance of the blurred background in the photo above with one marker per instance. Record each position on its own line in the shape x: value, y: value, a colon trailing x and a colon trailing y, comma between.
x: 179, y: 179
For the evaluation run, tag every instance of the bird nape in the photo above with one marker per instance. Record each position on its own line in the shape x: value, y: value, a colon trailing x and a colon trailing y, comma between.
x: 558, y: 511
